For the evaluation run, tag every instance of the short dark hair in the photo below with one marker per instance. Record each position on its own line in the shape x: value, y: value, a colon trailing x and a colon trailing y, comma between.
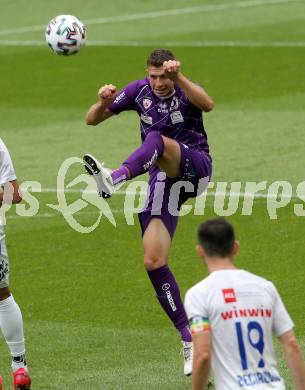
x: 158, y: 56
x: 217, y: 237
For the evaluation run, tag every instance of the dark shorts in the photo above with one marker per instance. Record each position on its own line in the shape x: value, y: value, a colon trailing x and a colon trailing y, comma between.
x: 166, y: 195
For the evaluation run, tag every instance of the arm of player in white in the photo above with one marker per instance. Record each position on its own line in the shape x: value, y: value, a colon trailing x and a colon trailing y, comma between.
x: 99, y: 111
x: 201, y: 359
x: 11, y: 193
x: 294, y: 359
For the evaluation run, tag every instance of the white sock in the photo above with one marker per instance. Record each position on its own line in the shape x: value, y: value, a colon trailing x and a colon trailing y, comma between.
x: 11, y: 325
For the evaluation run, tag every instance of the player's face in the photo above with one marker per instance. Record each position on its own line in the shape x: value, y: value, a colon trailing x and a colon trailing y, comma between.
x: 160, y: 84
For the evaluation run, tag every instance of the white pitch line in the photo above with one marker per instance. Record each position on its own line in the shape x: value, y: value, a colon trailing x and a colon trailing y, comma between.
x: 185, y: 11
x: 168, y: 43
x: 198, y: 43
x: 55, y: 215
x: 121, y: 211
x: 157, y: 14
x: 209, y: 194
x: 58, y: 214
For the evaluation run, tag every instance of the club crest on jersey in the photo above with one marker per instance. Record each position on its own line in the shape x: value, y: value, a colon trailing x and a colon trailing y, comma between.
x: 174, y: 104
x: 147, y: 102
x: 229, y: 295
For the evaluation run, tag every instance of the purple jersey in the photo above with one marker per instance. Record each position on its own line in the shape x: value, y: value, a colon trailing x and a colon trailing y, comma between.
x: 174, y: 116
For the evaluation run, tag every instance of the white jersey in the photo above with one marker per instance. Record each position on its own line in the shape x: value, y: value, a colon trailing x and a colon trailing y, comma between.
x: 243, y: 310
x: 7, y: 173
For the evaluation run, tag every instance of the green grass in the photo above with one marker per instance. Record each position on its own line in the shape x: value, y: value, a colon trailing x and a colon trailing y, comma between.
x: 90, y: 315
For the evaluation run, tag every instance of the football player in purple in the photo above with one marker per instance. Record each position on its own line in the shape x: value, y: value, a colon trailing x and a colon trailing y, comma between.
x: 174, y: 151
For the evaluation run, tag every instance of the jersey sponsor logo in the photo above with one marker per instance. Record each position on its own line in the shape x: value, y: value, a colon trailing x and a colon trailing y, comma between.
x: 147, y: 102
x: 257, y: 378
x: 240, y: 313
x: 176, y: 117
x: 229, y: 295
x: 147, y: 119
x: 166, y: 286
x: 163, y: 108
x: 170, y: 300
x: 120, y: 97
x: 199, y: 324
x: 174, y: 104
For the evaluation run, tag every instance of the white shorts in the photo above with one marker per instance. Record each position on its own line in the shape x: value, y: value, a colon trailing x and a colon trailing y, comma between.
x: 4, y: 265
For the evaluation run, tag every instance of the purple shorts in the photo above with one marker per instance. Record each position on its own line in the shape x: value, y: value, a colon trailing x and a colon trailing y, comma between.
x: 166, y: 195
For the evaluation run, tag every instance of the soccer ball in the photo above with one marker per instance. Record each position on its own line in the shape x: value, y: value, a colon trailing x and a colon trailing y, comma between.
x: 65, y: 34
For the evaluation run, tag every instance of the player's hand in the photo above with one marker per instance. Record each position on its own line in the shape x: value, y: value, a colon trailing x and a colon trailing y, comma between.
x: 172, y: 69
x: 107, y: 94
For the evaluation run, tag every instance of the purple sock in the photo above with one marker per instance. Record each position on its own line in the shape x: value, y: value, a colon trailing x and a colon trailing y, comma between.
x: 168, y: 295
x: 185, y: 334
x: 119, y: 175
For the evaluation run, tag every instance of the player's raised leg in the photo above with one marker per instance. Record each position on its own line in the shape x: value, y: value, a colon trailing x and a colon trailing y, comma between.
x: 156, y: 243
x: 156, y: 149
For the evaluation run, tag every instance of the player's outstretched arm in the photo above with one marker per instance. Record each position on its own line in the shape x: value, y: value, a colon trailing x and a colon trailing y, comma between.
x: 294, y: 359
x: 194, y: 92
x: 99, y: 111
x: 201, y: 359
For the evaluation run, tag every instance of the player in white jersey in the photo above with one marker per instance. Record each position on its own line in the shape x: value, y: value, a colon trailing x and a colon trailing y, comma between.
x: 233, y: 314
x: 11, y: 323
